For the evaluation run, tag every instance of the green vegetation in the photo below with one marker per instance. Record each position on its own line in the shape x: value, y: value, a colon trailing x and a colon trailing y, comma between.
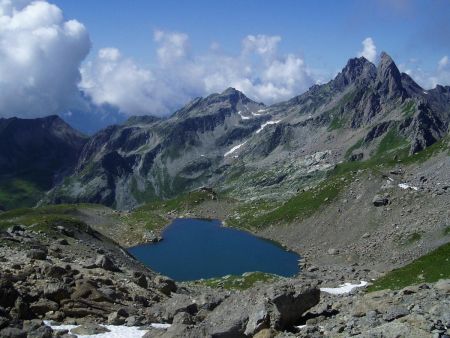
x: 243, y: 282
x: 298, y: 207
x: 153, y: 215
x: 336, y: 123
x: 247, y: 214
x: 25, y: 188
x: 428, y: 268
x: 16, y: 192
x: 408, y: 108
x: 357, y: 145
x: 141, y: 196
x: 413, y: 238
x: 44, y: 218
x: 446, y: 231
x: 391, y: 145
x: 440, y: 146
x: 392, y: 149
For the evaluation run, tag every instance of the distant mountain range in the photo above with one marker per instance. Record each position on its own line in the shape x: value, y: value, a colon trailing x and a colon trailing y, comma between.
x: 227, y: 141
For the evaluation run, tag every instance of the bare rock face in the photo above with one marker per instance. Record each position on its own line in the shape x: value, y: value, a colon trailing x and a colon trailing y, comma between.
x: 389, y: 80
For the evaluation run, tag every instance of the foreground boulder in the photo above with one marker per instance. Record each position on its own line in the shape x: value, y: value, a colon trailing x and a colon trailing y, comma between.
x: 279, y: 306
x: 380, y: 200
x: 106, y: 263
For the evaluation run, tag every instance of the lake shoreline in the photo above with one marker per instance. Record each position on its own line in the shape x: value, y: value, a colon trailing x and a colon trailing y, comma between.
x: 207, y: 243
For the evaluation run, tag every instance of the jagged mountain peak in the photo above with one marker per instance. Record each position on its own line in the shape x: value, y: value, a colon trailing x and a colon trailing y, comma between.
x: 233, y: 95
x: 387, y: 67
x: 356, y: 69
x: 389, y: 79
x: 230, y: 98
x: 386, y: 59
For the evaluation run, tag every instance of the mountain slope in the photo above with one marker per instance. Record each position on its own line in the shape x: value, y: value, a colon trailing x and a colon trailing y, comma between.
x: 34, y: 155
x: 250, y: 151
x: 149, y: 158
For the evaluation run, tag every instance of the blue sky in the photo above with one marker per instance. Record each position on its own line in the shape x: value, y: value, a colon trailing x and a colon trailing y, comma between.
x: 326, y: 33
x: 104, y: 60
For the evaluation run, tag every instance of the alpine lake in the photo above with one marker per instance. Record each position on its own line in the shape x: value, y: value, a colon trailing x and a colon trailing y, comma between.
x: 195, y: 249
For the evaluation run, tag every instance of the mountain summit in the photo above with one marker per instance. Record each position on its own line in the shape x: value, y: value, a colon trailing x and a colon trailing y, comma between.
x: 234, y: 144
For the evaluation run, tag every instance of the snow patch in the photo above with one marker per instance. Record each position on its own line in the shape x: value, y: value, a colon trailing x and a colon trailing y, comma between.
x: 243, y: 117
x: 232, y: 150
x: 406, y: 186
x: 426, y: 93
x: 344, y: 288
x: 116, y: 331
x: 259, y: 112
x: 266, y: 124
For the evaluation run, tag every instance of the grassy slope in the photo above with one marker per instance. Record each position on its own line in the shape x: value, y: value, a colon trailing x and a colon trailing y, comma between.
x: 153, y: 215
x: 16, y: 192
x: 24, y: 189
x: 243, y: 282
x: 428, y: 268
x: 392, y: 150
x: 43, y: 218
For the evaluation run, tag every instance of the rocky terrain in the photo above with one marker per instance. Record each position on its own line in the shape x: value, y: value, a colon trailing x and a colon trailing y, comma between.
x: 69, y: 273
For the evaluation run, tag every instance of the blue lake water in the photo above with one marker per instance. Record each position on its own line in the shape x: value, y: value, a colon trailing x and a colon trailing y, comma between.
x: 194, y: 249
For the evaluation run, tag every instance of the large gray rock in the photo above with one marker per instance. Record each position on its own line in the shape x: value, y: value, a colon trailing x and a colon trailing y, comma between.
x: 56, y: 291
x: 443, y: 285
x: 395, y: 329
x: 380, y: 200
x: 38, y: 254
x: 244, y: 314
x: 165, y: 285
x: 395, y: 312
x: 8, y: 294
x: 106, y: 263
x: 89, y: 329
x: 167, y: 309
x: 42, y: 306
x: 13, y: 332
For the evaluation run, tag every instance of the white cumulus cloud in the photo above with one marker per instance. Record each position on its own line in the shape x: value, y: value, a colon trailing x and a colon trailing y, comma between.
x: 369, y: 50
x: 42, y: 70
x: 261, y: 44
x: 40, y: 56
x: 443, y: 63
x: 428, y: 78
x: 172, y: 46
x: 258, y: 70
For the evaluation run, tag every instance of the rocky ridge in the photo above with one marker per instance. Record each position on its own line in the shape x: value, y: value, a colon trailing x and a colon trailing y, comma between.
x: 246, y: 149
